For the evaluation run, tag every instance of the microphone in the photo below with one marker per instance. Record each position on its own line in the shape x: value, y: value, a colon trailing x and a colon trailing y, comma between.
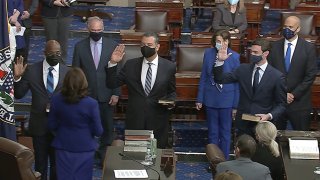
x: 145, y: 166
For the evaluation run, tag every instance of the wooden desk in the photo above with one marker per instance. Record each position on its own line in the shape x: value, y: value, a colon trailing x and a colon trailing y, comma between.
x: 135, y: 38
x: 114, y: 161
x: 311, y: 8
x: 255, y: 14
x: 174, y: 9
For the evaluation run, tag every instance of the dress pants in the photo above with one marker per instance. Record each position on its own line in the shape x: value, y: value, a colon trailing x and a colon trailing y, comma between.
x: 43, y: 151
x: 219, y: 122
x: 300, y: 120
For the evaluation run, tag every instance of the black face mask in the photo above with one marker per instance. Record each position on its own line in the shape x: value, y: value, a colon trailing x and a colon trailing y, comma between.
x: 148, y: 51
x: 95, y: 35
x: 255, y: 59
x: 53, y: 60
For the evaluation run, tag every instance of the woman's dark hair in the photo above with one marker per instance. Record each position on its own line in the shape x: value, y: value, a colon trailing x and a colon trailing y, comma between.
x: 75, y: 85
x: 224, y: 34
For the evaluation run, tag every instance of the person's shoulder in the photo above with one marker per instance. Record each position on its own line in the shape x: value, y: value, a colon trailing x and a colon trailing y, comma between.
x: 305, y: 42
x: 167, y: 62
x: 109, y: 40
x: 275, y: 71
x: 82, y: 41
x: 89, y: 100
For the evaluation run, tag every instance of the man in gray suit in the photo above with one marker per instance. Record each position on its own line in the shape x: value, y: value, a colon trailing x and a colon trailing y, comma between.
x: 92, y: 54
x: 243, y: 165
x: 43, y: 79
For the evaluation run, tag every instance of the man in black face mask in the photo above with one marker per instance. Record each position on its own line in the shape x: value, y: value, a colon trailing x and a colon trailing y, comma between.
x: 43, y: 79
x: 92, y: 55
x: 296, y: 58
x: 149, y: 79
x: 262, y: 90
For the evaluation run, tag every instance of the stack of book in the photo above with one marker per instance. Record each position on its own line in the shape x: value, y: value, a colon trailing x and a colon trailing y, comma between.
x: 136, y: 140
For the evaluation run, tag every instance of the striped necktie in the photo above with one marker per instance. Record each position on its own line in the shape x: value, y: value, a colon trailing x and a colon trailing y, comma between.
x: 50, y: 81
x: 147, y: 87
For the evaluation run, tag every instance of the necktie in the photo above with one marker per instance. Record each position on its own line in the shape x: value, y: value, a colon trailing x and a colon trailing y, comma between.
x: 50, y: 81
x: 147, y: 87
x: 96, y: 56
x: 287, y: 57
x: 256, y: 80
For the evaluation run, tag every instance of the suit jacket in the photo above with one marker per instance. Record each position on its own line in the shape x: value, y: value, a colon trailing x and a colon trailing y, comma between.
x: 31, y: 9
x: 49, y: 10
x: 270, y: 96
x: 145, y: 111
x: 82, y: 57
x: 223, y: 20
x: 208, y: 93
x: 302, y: 72
x: 33, y: 80
x: 264, y: 156
x: 246, y: 168
x: 75, y: 125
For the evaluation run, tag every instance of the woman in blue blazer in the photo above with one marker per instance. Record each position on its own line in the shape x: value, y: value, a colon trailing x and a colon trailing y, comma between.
x: 75, y: 120
x: 218, y: 99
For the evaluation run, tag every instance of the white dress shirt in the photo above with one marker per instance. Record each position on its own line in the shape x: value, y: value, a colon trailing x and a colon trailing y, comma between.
x: 55, y: 73
x: 262, y: 70
x: 293, y: 47
x: 145, y: 66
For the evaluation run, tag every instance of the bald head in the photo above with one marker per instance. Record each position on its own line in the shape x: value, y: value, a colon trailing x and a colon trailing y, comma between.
x: 294, y: 20
x: 52, y: 46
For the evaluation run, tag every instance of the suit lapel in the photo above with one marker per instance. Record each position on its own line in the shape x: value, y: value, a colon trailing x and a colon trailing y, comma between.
x: 281, y: 56
x: 103, y: 53
x: 138, y: 70
x: 90, y: 60
x: 160, y: 70
x: 248, y: 81
x: 264, y: 78
x: 43, y: 85
x: 295, y: 54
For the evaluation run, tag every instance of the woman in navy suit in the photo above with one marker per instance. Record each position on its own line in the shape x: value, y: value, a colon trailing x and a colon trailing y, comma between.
x: 218, y: 99
x: 267, y: 152
x: 75, y: 120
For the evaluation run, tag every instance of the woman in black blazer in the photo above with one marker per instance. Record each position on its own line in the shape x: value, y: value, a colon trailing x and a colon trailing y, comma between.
x: 231, y: 16
x: 267, y: 152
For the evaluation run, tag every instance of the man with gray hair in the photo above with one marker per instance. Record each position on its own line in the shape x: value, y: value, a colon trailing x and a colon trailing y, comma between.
x: 92, y: 54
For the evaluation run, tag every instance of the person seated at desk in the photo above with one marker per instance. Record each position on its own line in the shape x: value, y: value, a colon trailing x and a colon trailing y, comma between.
x: 231, y: 16
x: 267, y: 152
x: 243, y: 165
x: 228, y: 175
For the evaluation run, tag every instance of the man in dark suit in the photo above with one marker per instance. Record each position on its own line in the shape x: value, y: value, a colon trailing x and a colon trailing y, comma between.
x: 149, y: 79
x: 92, y: 55
x: 56, y: 16
x: 243, y: 165
x: 262, y: 90
x: 296, y: 58
x: 43, y: 79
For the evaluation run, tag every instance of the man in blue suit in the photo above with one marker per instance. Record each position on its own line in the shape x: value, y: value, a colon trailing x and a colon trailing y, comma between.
x: 36, y: 78
x: 262, y: 89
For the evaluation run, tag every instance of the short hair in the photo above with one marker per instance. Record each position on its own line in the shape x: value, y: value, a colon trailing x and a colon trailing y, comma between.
x: 266, y: 133
x: 246, y: 145
x: 75, y: 85
x: 94, y: 18
x: 224, y: 34
x: 228, y: 175
x: 265, y: 44
x: 152, y: 34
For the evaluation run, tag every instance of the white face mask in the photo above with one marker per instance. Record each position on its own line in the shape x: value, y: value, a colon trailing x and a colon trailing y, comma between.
x: 218, y: 46
x: 233, y: 2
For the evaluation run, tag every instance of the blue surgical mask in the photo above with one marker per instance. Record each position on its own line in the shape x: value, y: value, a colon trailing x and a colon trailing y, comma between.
x: 233, y: 2
x: 255, y: 59
x: 218, y: 46
x: 288, y: 33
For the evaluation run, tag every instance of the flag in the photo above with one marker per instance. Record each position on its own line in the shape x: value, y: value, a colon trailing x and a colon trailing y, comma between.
x: 7, y: 122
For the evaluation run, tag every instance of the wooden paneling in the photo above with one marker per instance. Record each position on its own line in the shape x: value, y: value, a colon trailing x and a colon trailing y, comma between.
x: 311, y: 8
x: 279, y: 4
x: 255, y: 14
x: 36, y: 18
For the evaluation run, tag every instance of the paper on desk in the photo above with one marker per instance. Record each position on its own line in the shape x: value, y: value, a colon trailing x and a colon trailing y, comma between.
x: 130, y: 173
x: 20, y: 33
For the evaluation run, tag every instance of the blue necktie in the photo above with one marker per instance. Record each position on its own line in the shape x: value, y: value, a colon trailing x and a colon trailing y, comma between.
x: 50, y: 81
x: 147, y: 87
x: 256, y: 80
x: 287, y: 57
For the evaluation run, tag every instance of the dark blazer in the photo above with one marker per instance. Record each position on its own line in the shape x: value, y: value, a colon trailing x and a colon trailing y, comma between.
x: 270, y: 97
x: 145, y: 111
x: 223, y: 20
x: 33, y: 80
x: 75, y: 125
x: 49, y: 10
x: 208, y: 93
x: 246, y: 168
x: 264, y: 156
x: 302, y: 72
x: 82, y: 57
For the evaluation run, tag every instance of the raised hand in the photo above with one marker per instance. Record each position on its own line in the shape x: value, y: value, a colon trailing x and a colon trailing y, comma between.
x: 117, y: 54
x: 222, y: 53
x: 19, y: 68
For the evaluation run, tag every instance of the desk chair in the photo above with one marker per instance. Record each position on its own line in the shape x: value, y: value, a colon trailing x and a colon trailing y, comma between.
x: 151, y: 20
x: 16, y: 161
x: 91, y: 11
x: 215, y: 156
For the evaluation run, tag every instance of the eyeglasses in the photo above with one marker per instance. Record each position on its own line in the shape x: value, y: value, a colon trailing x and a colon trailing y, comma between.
x: 57, y: 53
